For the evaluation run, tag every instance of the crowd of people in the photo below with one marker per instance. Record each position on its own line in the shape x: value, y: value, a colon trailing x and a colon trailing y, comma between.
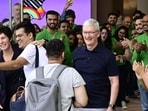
x: 107, y: 62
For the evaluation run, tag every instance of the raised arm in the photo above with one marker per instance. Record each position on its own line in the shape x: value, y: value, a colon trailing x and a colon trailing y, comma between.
x: 67, y: 5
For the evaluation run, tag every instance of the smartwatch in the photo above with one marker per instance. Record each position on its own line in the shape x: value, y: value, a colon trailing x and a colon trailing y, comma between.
x: 111, y: 106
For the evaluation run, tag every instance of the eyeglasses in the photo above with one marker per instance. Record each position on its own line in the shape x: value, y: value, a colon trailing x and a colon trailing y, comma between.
x: 89, y: 33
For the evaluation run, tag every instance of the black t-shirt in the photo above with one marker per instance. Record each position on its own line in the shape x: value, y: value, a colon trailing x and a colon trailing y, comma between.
x: 10, y: 80
x: 95, y: 67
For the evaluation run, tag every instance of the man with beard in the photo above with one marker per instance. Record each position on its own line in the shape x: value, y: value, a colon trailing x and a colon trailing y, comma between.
x: 51, y: 32
x: 140, y: 54
x: 112, y: 20
x: 139, y: 25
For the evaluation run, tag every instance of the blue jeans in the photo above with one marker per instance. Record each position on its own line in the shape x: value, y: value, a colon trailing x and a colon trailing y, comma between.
x: 144, y: 98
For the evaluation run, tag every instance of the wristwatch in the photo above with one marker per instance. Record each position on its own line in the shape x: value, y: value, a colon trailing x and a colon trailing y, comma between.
x: 111, y: 106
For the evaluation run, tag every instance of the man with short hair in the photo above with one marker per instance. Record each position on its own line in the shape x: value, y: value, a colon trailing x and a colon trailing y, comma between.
x: 97, y: 66
x: 112, y: 20
x: 25, y: 34
x: 71, y: 84
x: 51, y: 32
x: 141, y: 54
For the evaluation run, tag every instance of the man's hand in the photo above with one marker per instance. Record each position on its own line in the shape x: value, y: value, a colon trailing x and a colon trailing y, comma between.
x: 68, y: 4
x: 139, y: 46
x: 39, y: 42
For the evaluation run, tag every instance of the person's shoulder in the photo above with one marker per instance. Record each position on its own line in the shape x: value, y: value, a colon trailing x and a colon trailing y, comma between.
x: 79, y: 49
x: 30, y: 46
x: 61, y: 33
x: 6, y: 23
x: 40, y: 34
x: 71, y: 72
x: 140, y: 36
x: 106, y: 51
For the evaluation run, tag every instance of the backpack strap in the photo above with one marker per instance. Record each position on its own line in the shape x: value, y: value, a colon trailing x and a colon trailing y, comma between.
x: 36, y: 57
x: 59, y: 69
x: 40, y: 72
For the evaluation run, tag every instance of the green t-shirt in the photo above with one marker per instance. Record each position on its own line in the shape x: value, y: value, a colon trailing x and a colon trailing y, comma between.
x: 46, y: 35
x: 143, y: 55
x: 117, y: 51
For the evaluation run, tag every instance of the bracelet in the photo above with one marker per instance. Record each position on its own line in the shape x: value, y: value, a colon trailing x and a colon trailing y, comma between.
x: 111, y: 106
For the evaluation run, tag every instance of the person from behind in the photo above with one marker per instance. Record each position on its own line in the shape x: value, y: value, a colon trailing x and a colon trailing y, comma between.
x: 70, y: 81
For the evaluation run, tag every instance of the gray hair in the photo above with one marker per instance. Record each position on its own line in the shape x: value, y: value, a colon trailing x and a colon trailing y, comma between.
x: 92, y: 22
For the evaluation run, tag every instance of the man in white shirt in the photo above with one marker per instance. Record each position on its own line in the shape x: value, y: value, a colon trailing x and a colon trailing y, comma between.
x: 25, y: 34
x: 70, y: 81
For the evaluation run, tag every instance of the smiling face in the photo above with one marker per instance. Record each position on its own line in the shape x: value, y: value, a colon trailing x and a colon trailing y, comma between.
x: 90, y: 35
x: 112, y: 19
x: 52, y: 21
x: 139, y: 26
x: 64, y: 27
x: 121, y: 34
x: 22, y: 38
x: 4, y: 42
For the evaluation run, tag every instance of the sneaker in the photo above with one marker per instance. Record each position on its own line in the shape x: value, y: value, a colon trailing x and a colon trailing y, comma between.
x: 123, y: 104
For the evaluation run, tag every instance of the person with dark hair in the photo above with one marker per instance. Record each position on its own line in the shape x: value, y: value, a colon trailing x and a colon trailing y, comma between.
x: 73, y: 41
x: 37, y: 28
x: 71, y: 84
x: 107, y: 25
x: 25, y: 35
x: 69, y: 14
x: 140, y: 52
x: 64, y: 26
x: 105, y: 37
x: 112, y: 20
x: 26, y: 17
x: 97, y: 66
x: 138, y: 13
x: 9, y: 80
x: 51, y: 32
x: 121, y: 49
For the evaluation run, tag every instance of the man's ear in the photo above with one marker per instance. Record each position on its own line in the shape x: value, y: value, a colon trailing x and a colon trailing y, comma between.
x: 98, y: 32
x: 30, y: 35
x: 63, y: 55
